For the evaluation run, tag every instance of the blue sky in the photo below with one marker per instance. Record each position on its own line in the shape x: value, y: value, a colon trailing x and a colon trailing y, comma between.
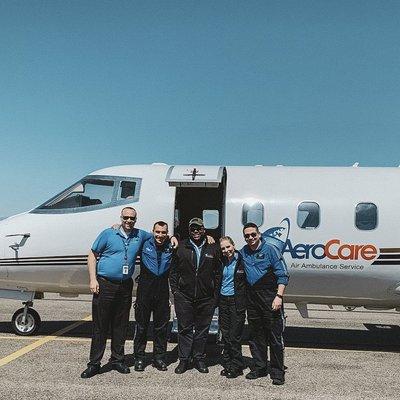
x: 89, y: 84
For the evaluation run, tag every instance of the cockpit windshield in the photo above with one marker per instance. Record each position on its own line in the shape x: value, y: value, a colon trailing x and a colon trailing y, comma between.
x: 93, y: 192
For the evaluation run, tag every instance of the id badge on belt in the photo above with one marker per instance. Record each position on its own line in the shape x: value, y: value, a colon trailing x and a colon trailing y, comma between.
x: 125, y: 270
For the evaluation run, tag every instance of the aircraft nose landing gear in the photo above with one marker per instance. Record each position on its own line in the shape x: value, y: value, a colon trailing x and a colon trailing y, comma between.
x: 25, y: 321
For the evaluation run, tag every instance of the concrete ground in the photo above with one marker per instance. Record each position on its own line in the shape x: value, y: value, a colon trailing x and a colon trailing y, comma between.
x: 335, y: 354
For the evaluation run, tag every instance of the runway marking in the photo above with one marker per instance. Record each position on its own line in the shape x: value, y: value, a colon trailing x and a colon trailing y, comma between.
x: 58, y: 339
x: 41, y: 342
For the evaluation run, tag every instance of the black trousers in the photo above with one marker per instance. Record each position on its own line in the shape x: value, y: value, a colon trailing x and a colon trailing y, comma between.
x: 110, y: 311
x: 266, y: 328
x: 194, y: 318
x: 152, y: 297
x: 231, y: 324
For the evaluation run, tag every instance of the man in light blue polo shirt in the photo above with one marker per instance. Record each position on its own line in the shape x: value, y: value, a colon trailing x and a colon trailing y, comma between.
x: 111, y: 284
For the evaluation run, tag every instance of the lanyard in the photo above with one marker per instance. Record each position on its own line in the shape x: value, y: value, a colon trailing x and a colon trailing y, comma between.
x: 126, y: 243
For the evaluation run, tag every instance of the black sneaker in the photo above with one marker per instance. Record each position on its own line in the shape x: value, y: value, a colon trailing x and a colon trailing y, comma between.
x: 90, y: 371
x: 139, y: 365
x: 224, y: 372
x: 182, y: 367
x: 160, y: 365
x: 201, y: 366
x: 278, y: 381
x: 234, y: 373
x: 121, y: 368
x: 256, y: 374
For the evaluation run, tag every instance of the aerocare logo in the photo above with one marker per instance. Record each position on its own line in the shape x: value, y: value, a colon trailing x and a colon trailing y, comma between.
x: 333, y: 249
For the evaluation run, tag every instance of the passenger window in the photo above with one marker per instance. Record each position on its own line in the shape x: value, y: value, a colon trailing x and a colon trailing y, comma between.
x: 308, y: 215
x: 211, y: 219
x: 253, y: 213
x: 366, y: 216
x: 127, y: 190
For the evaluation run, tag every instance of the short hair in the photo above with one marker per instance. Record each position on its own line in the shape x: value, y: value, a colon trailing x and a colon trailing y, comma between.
x: 161, y: 223
x: 128, y: 208
x: 251, y: 225
x: 228, y: 238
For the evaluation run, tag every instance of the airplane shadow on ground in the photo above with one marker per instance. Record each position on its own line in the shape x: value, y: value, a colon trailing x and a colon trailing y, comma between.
x: 374, y: 338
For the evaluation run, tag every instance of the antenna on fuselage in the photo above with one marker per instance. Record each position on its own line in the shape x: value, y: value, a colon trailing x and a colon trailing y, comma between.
x: 356, y: 164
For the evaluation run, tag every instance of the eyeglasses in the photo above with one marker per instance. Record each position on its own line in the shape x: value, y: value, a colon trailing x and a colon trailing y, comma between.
x: 196, y: 228
x: 249, y: 235
x: 127, y: 218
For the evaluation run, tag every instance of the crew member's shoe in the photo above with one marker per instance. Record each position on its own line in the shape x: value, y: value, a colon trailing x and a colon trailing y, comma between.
x: 90, y: 371
x: 160, y: 365
x: 278, y: 381
x: 256, y: 374
x: 182, y: 367
x: 139, y: 365
x: 224, y: 372
x: 234, y: 373
x: 121, y: 368
x: 201, y: 366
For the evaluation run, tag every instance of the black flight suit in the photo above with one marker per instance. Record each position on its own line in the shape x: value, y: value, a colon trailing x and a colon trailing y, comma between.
x: 195, y: 293
x: 232, y: 315
x: 265, y: 270
x: 153, y: 297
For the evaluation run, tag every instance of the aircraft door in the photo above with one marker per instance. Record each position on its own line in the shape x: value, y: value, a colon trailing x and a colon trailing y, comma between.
x: 200, y: 192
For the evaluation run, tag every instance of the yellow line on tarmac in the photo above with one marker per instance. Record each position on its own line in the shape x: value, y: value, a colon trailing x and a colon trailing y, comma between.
x: 62, y: 339
x: 73, y: 339
x: 41, y: 342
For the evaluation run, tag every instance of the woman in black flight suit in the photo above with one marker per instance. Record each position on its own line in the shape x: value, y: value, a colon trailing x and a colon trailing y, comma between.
x: 232, y: 309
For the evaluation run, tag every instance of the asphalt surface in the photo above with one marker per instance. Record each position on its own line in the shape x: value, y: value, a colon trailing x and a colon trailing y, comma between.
x: 335, y: 354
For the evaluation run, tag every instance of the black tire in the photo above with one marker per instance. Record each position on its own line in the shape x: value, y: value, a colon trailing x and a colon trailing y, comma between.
x: 32, y: 325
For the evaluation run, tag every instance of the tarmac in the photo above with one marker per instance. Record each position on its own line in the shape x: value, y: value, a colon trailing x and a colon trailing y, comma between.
x: 334, y: 354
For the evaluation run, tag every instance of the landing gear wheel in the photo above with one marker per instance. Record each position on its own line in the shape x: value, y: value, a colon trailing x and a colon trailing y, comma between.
x: 28, y: 327
x: 350, y: 308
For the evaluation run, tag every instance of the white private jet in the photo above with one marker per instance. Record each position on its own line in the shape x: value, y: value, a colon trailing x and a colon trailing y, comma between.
x: 338, y: 228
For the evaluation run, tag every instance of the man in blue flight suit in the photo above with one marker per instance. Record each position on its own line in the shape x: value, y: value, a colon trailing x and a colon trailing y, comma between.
x: 111, y: 284
x: 267, y: 277
x: 153, y: 297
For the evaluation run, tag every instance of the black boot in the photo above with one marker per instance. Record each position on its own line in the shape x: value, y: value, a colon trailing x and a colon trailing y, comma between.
x: 160, y: 365
x: 139, y: 365
x: 90, y: 371
x: 182, y: 367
